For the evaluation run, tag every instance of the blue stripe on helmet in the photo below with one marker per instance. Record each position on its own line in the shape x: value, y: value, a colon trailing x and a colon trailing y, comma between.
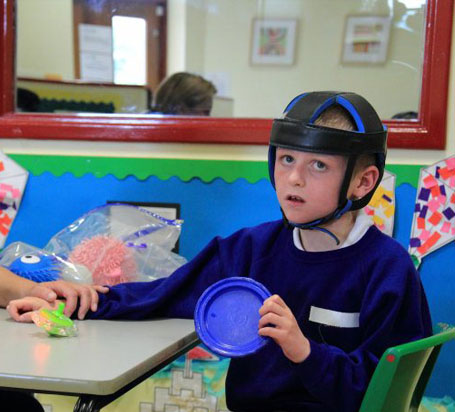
x: 352, y: 111
x: 329, y: 102
x: 294, y: 101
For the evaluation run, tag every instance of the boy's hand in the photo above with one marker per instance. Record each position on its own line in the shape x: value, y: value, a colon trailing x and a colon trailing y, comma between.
x: 21, y: 309
x: 72, y: 292
x: 278, y: 322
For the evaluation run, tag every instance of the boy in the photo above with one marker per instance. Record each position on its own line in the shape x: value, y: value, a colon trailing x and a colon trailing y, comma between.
x: 343, y: 291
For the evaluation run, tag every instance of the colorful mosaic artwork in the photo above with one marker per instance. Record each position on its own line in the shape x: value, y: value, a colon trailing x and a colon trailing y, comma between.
x: 12, y: 183
x: 381, y: 208
x: 433, y: 224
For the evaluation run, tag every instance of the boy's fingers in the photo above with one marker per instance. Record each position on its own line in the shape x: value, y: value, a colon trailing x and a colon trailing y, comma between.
x: 67, y: 291
x: 277, y: 299
x: 16, y: 311
x: 12, y: 310
x: 100, y: 288
x: 271, y: 332
x: 85, y: 295
x: 85, y: 303
x: 25, y: 317
x: 71, y: 298
x: 272, y: 306
x: 270, y: 319
x: 94, y: 300
x: 89, y: 299
x: 43, y: 292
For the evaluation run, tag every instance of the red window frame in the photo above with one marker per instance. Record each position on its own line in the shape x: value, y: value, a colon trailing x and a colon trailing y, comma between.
x: 428, y: 132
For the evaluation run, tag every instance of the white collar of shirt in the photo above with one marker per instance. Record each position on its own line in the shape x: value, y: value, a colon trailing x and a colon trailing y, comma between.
x: 361, y: 225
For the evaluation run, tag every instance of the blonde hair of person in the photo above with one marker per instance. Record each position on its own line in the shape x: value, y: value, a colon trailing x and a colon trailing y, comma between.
x: 184, y: 93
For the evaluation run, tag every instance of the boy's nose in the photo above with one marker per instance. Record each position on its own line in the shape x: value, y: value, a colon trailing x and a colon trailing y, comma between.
x: 296, y: 178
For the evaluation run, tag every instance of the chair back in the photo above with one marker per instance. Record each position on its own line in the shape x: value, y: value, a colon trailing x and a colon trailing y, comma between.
x: 402, y: 373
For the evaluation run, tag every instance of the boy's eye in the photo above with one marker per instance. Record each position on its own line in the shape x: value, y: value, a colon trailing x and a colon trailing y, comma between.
x: 287, y: 159
x: 318, y: 165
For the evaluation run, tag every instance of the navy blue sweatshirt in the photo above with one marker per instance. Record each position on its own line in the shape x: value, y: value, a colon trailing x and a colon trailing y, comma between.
x: 351, y: 303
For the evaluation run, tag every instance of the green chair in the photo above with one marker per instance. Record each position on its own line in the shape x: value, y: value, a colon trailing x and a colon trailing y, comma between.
x: 400, y: 378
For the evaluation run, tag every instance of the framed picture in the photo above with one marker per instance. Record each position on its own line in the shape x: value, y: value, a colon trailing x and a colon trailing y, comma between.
x: 366, y: 39
x: 273, y: 41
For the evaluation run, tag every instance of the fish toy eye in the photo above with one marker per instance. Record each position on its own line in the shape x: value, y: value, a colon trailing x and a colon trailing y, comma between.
x: 38, y: 267
x: 30, y: 259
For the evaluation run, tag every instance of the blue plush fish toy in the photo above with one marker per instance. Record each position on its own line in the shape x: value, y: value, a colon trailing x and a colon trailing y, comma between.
x: 38, y: 267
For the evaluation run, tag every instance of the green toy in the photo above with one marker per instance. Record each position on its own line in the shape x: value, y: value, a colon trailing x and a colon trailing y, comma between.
x: 54, y: 322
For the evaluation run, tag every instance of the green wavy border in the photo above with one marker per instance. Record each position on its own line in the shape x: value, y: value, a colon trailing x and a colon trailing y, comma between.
x: 184, y: 169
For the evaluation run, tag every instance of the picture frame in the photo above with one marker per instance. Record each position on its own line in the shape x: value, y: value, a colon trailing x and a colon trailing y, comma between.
x: 273, y: 41
x: 366, y: 39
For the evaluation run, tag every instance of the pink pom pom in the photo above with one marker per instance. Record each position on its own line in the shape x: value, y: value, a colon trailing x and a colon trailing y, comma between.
x: 109, y: 260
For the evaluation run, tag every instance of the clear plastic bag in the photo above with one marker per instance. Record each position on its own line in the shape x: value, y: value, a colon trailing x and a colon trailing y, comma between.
x: 111, y: 244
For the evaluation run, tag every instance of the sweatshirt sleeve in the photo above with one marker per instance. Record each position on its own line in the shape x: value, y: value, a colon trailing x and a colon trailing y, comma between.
x: 394, y: 311
x: 175, y: 296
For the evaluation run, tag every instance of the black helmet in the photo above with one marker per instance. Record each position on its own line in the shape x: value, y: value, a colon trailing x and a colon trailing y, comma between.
x: 297, y: 131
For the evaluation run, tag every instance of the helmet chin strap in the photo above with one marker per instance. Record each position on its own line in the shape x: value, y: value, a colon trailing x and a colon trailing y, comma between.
x: 344, y: 205
x: 315, y: 224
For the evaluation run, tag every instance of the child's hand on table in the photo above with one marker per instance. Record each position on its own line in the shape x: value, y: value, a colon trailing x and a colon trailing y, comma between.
x: 278, y: 322
x: 87, y: 295
x: 21, y: 309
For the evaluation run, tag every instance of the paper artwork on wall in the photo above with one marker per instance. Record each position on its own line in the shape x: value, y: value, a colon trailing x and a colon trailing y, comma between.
x: 433, y: 224
x: 381, y: 208
x: 12, y: 184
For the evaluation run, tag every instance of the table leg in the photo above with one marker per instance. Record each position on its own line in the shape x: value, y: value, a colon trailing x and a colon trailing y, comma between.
x: 87, y: 403
x: 93, y: 403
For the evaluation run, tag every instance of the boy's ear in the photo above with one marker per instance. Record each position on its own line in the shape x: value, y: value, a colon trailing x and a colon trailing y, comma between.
x: 364, y: 181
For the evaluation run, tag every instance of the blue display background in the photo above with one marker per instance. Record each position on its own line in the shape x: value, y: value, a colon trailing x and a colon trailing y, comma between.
x: 51, y: 203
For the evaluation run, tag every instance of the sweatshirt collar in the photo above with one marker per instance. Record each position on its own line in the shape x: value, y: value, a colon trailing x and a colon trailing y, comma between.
x: 361, y: 225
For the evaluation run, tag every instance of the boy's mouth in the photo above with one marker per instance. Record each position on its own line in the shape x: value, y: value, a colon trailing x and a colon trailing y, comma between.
x: 294, y: 198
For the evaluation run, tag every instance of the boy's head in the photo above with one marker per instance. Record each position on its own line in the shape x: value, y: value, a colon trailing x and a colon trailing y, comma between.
x: 325, y: 124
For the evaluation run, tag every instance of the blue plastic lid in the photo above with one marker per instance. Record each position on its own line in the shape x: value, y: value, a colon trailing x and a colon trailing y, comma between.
x: 227, y: 316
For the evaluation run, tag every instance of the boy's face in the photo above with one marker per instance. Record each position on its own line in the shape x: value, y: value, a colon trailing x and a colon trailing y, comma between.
x: 308, y: 184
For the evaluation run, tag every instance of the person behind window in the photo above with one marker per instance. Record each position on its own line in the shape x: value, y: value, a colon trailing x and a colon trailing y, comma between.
x: 186, y: 94
x: 406, y: 115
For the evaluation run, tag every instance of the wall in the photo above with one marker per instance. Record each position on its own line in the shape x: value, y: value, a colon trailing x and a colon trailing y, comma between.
x: 196, y: 32
x: 321, y: 24
x: 176, y: 36
x: 45, y: 49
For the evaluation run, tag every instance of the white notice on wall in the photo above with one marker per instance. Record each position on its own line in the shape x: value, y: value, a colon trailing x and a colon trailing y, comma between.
x: 95, y: 52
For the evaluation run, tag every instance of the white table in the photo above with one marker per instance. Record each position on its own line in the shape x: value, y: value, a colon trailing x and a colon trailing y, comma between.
x: 104, y: 361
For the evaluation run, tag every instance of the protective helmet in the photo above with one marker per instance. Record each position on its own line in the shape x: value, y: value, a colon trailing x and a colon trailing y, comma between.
x: 296, y: 131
